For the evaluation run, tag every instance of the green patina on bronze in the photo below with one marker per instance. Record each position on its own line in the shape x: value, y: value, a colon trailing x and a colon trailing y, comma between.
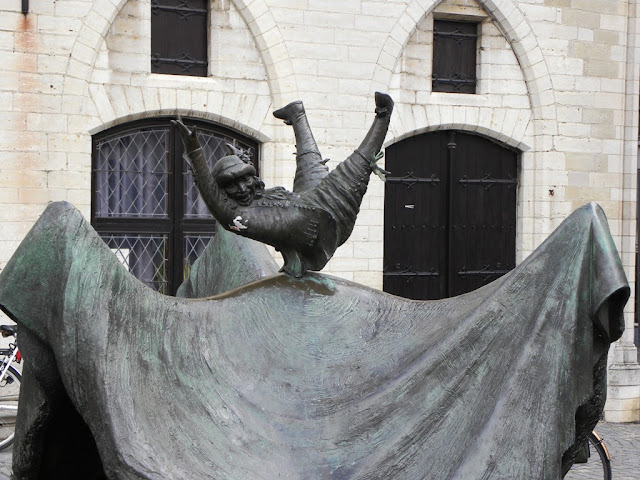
x: 313, y: 377
x: 251, y: 261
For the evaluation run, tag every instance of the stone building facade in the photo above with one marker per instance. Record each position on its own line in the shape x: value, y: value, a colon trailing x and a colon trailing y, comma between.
x: 557, y: 81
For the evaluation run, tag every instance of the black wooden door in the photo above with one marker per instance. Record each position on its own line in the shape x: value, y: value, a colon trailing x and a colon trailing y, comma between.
x: 450, y: 214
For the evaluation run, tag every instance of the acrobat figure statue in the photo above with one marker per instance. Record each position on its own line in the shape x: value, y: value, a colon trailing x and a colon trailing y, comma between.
x: 308, y: 224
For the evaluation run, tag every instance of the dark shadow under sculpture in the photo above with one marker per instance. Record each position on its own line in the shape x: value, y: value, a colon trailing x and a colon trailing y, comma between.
x: 306, y: 378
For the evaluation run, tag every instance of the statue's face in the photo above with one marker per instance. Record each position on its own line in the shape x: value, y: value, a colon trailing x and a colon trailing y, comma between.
x: 241, y: 188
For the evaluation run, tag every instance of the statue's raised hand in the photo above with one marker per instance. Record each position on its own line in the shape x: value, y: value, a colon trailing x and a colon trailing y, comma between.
x: 189, y: 139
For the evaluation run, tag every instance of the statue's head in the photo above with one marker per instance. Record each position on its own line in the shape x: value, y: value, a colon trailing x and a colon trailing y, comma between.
x: 238, y: 179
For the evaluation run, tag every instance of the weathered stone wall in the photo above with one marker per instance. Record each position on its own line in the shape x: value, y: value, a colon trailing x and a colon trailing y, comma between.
x: 558, y: 79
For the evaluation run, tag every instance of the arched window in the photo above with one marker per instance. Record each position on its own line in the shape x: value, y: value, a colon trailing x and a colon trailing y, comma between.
x: 144, y: 202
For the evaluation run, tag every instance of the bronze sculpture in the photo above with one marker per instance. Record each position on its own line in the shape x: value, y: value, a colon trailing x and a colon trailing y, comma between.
x: 312, y: 377
x: 308, y: 224
x: 267, y: 375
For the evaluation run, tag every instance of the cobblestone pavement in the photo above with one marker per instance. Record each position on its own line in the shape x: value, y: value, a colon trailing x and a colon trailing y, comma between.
x: 622, y: 440
x: 5, y: 464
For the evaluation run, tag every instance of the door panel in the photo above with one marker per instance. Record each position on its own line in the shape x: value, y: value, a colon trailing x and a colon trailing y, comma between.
x: 450, y: 205
x: 415, y: 188
x: 483, y: 196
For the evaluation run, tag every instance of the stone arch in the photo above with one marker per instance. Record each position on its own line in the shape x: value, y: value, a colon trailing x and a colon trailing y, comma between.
x: 265, y: 31
x: 212, y: 117
x: 513, y: 25
x: 243, y: 113
x: 511, y: 127
x: 489, y: 133
x: 95, y: 27
x: 256, y: 15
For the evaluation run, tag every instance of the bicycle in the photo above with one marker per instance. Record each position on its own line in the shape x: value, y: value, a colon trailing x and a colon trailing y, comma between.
x: 10, y: 379
x: 592, y: 466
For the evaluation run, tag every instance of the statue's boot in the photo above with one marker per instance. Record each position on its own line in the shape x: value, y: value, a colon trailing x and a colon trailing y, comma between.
x: 374, y: 139
x: 310, y: 167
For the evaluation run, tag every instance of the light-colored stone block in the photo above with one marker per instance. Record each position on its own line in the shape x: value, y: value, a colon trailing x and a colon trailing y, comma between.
x: 329, y: 19
x: 602, y: 68
x: 617, y: 23
x: 71, y: 8
x: 581, y: 18
x: 605, y: 131
x: 68, y: 143
x: 577, y: 130
x: 46, y: 122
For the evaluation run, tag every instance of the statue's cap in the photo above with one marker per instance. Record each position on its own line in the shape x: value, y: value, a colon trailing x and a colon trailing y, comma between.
x: 230, y: 167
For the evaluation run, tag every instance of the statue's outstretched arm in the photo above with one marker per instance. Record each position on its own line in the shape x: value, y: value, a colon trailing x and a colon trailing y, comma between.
x: 212, y: 195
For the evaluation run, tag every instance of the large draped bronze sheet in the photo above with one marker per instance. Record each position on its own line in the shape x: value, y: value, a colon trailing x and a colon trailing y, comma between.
x: 321, y: 378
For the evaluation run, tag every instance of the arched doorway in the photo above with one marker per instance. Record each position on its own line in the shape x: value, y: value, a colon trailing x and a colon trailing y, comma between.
x: 450, y: 214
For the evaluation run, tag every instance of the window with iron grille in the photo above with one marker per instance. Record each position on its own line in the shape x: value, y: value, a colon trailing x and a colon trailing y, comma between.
x: 179, y: 37
x: 145, y: 204
x: 454, y: 56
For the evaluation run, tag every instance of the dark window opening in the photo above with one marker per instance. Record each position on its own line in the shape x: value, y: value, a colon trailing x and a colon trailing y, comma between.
x: 454, y: 56
x: 179, y: 37
x: 145, y: 204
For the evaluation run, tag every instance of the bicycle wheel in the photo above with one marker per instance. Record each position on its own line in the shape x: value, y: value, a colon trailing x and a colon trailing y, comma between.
x: 9, y: 391
x: 595, y: 443
x: 597, y: 466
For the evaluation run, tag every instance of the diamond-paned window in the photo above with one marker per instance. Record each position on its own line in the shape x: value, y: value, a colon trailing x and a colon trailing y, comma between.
x: 194, y: 245
x: 145, y: 204
x: 131, y: 175
x: 145, y: 256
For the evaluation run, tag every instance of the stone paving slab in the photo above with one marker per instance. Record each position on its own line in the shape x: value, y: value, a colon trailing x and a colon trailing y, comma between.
x: 5, y: 463
x: 622, y: 440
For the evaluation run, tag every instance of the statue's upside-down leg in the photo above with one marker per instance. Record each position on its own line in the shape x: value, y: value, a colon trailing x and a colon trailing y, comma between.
x: 342, y: 190
x: 310, y: 167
